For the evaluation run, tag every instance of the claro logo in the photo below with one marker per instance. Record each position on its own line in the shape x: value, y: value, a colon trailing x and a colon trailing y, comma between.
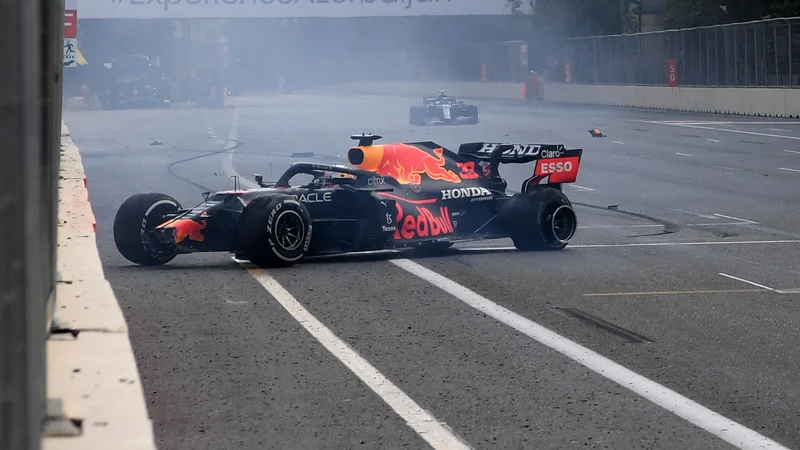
x: 421, y: 223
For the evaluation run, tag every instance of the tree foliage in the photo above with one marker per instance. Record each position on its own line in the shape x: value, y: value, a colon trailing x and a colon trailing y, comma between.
x: 577, y: 17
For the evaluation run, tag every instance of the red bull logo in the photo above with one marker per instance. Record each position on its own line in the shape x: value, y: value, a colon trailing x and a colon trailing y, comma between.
x: 405, y: 163
x: 421, y: 223
x: 187, y: 228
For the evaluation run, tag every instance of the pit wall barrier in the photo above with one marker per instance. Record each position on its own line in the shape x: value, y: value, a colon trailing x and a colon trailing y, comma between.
x: 765, y: 102
x: 768, y: 102
x: 95, y: 395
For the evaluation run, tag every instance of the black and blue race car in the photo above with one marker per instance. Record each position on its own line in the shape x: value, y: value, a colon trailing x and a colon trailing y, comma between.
x: 443, y: 110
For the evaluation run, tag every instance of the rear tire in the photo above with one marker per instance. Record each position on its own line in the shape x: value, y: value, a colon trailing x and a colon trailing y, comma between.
x: 540, y: 220
x: 275, y: 231
x: 136, y: 217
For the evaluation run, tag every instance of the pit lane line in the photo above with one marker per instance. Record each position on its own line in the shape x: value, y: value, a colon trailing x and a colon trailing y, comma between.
x: 435, y: 432
x: 726, y: 429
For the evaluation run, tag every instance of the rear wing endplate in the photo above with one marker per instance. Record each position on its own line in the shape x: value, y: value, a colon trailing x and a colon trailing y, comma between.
x: 555, y: 164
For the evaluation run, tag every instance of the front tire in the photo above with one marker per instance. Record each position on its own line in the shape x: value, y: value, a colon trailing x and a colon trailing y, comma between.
x: 136, y: 217
x: 540, y: 220
x: 275, y: 231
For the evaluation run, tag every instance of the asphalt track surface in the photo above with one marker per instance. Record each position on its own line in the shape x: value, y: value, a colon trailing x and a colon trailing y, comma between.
x: 689, y: 281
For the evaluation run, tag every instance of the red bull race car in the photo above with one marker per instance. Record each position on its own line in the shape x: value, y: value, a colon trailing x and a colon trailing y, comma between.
x: 406, y: 195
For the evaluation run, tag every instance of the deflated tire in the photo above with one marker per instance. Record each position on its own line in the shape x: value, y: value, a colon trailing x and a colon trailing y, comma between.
x: 542, y: 219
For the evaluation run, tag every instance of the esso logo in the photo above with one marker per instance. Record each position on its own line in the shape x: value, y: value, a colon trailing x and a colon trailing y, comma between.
x: 556, y: 167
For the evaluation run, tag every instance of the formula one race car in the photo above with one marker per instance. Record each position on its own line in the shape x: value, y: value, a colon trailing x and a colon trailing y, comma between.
x: 397, y: 196
x: 443, y: 109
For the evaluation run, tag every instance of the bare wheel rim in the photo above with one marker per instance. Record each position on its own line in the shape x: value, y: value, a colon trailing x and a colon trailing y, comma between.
x: 563, y: 223
x: 289, y: 230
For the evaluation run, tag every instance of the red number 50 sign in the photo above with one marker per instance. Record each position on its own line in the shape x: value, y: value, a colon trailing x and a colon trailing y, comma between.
x: 672, y: 73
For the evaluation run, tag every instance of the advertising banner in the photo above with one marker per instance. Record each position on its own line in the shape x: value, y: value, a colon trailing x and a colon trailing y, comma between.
x: 222, y: 9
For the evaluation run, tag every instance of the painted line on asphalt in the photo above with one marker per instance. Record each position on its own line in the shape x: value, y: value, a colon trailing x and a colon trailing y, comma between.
x: 581, y: 188
x: 736, y: 218
x: 731, y: 130
x: 682, y: 154
x: 713, y: 140
x: 788, y: 170
x: 713, y: 291
x: 726, y: 429
x: 728, y: 168
x: 792, y: 151
x: 752, y: 283
x: 433, y: 431
x: 641, y: 244
x: 227, y: 158
x: 780, y: 130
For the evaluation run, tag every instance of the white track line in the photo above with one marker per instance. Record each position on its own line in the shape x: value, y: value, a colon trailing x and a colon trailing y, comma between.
x: 227, y: 158
x: 788, y: 170
x: 792, y: 151
x: 779, y: 130
x: 695, y: 413
x: 713, y: 140
x: 582, y: 188
x: 641, y: 244
x: 736, y: 218
x: 435, y: 432
x: 730, y: 130
x: 682, y: 154
x: 746, y: 281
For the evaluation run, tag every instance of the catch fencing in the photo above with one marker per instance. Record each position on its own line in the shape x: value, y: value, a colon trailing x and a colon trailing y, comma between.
x: 30, y: 92
x: 762, y: 53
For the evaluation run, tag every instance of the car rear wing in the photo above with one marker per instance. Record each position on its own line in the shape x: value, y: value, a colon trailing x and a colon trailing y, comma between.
x: 555, y: 164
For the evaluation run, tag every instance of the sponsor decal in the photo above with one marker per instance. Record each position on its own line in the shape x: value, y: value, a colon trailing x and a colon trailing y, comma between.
x: 467, y: 192
x: 315, y: 197
x: 552, y: 153
x: 376, y: 181
x: 421, y: 222
x: 516, y: 150
x: 188, y: 229
x: 560, y: 170
x: 407, y: 163
x: 220, y: 9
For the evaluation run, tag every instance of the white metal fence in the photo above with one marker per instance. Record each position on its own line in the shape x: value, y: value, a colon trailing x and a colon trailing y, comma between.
x: 752, y: 54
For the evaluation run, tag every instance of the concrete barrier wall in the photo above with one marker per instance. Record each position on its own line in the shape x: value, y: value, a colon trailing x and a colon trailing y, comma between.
x: 91, y: 369
x: 770, y: 102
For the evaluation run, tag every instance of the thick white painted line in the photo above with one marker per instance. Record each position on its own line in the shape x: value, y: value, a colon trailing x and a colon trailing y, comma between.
x: 643, y: 244
x: 736, y: 218
x: 619, y: 143
x: 227, y: 158
x: 788, y: 170
x: 713, y: 140
x: 435, y: 433
x: 682, y: 154
x: 726, y: 429
x: 746, y: 281
x: 792, y: 151
x: 582, y: 188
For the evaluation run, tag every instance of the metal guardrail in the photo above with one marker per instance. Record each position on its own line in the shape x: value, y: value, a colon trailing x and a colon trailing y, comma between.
x: 762, y: 53
x: 30, y: 95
